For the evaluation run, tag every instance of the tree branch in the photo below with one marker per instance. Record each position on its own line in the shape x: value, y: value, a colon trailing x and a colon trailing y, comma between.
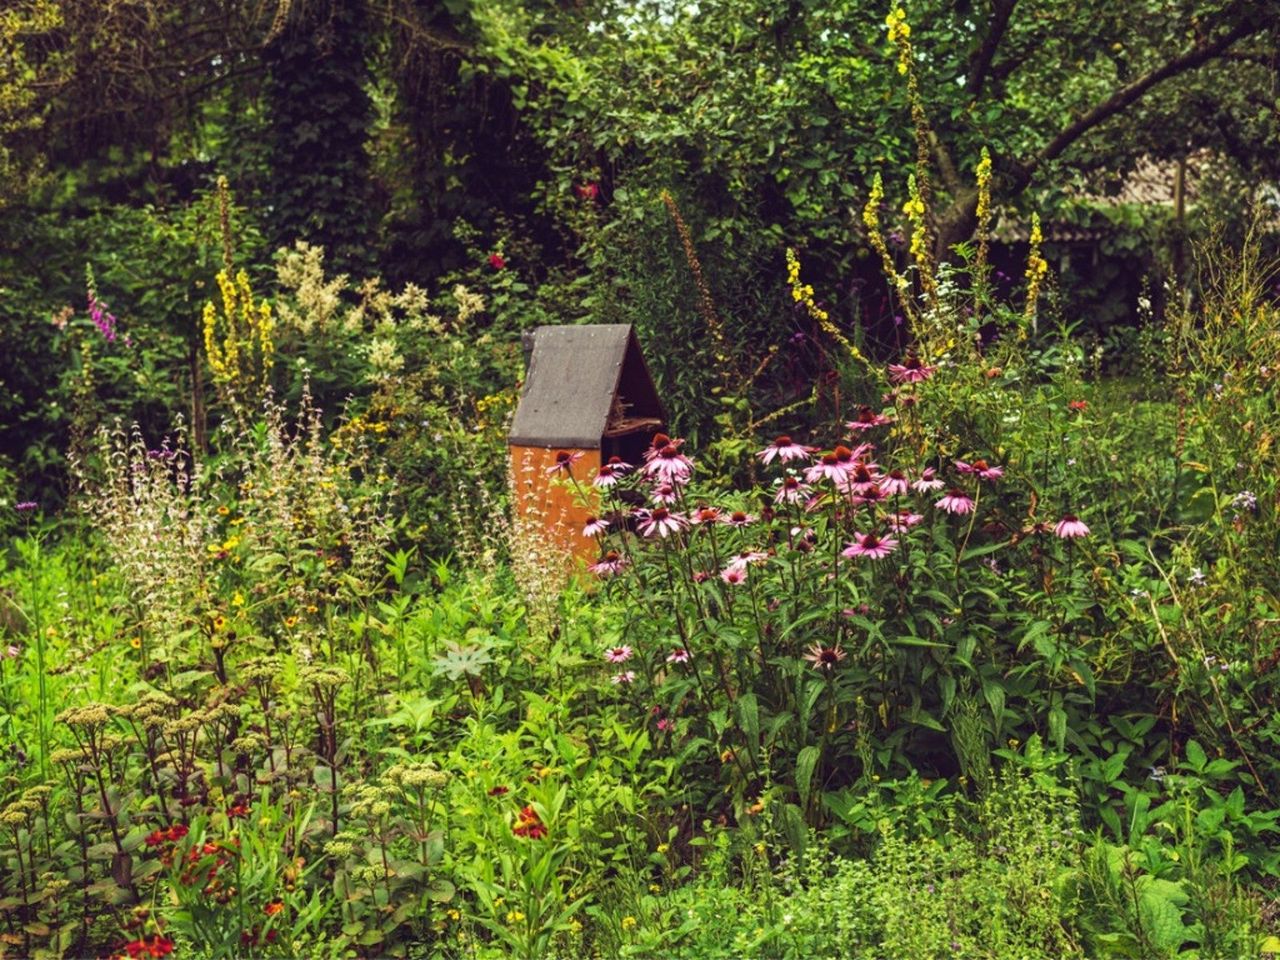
x: 1127, y: 95
x: 980, y: 62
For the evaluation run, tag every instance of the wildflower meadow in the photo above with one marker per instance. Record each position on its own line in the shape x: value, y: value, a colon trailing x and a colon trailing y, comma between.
x: 937, y: 616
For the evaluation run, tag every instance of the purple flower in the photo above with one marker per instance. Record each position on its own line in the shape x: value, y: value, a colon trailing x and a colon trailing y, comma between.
x: 26, y: 506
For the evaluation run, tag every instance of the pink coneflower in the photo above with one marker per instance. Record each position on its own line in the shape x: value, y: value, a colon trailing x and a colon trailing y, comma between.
x: 705, y: 516
x: 660, y: 521
x: 956, y: 501
x: 611, y: 472
x: 701, y: 576
x: 912, y: 371
x: 824, y: 658
x: 981, y: 469
x: 894, y: 483
x: 1070, y: 527
x: 733, y: 575
x: 565, y: 461
x: 664, y: 493
x: 627, y: 676
x: 595, y: 527
x: 743, y: 560
x: 785, y: 450
x: 610, y: 565
x: 618, y: 654
x: 739, y: 518
x: 928, y: 481
x: 870, y: 546
x: 860, y: 478
x: 669, y: 464
x: 904, y: 520
x: 661, y: 440
x: 679, y: 655
x: 791, y: 491
x: 872, y: 495
x: 867, y: 419
x: 665, y: 724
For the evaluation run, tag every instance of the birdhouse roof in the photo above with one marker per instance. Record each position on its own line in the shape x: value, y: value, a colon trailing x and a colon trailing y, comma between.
x: 584, y: 381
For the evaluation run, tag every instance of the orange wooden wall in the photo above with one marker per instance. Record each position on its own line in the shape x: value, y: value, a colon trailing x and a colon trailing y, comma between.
x: 552, y: 502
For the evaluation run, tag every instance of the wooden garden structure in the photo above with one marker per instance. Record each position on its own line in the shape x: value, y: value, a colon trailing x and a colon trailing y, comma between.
x: 587, y: 391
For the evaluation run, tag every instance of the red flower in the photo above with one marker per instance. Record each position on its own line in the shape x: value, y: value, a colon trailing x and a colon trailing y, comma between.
x: 157, y: 946
x: 497, y: 261
x: 588, y: 191
x: 529, y: 824
x: 238, y: 811
x: 498, y: 791
x: 274, y: 907
x: 1078, y: 404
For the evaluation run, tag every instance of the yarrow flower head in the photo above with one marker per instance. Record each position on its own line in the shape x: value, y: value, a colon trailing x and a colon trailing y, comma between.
x: 956, y: 501
x: 1071, y: 527
x: 785, y: 450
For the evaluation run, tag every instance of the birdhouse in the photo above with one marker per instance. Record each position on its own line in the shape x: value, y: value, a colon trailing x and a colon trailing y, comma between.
x: 587, y: 397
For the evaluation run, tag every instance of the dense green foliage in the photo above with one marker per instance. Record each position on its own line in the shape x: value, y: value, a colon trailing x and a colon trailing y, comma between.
x: 945, y: 623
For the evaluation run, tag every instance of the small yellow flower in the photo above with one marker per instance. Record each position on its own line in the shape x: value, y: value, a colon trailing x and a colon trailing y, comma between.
x: 312, y: 608
x: 223, y: 511
x: 238, y: 599
x: 655, y: 888
x: 628, y: 922
x: 453, y: 914
x: 664, y: 847
x: 136, y: 643
x: 290, y: 622
x: 219, y: 622
x: 514, y: 916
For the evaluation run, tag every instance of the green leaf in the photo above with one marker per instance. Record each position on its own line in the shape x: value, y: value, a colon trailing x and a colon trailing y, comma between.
x: 806, y: 764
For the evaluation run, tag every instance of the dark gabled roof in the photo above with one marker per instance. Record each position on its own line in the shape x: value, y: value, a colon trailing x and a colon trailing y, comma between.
x: 575, y: 374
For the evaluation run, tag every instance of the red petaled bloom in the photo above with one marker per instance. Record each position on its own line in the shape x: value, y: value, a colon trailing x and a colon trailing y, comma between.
x: 529, y: 824
x: 498, y: 791
x: 157, y: 946
x: 588, y: 191
x: 1078, y: 405
x: 272, y: 908
x: 497, y: 261
x: 238, y: 811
